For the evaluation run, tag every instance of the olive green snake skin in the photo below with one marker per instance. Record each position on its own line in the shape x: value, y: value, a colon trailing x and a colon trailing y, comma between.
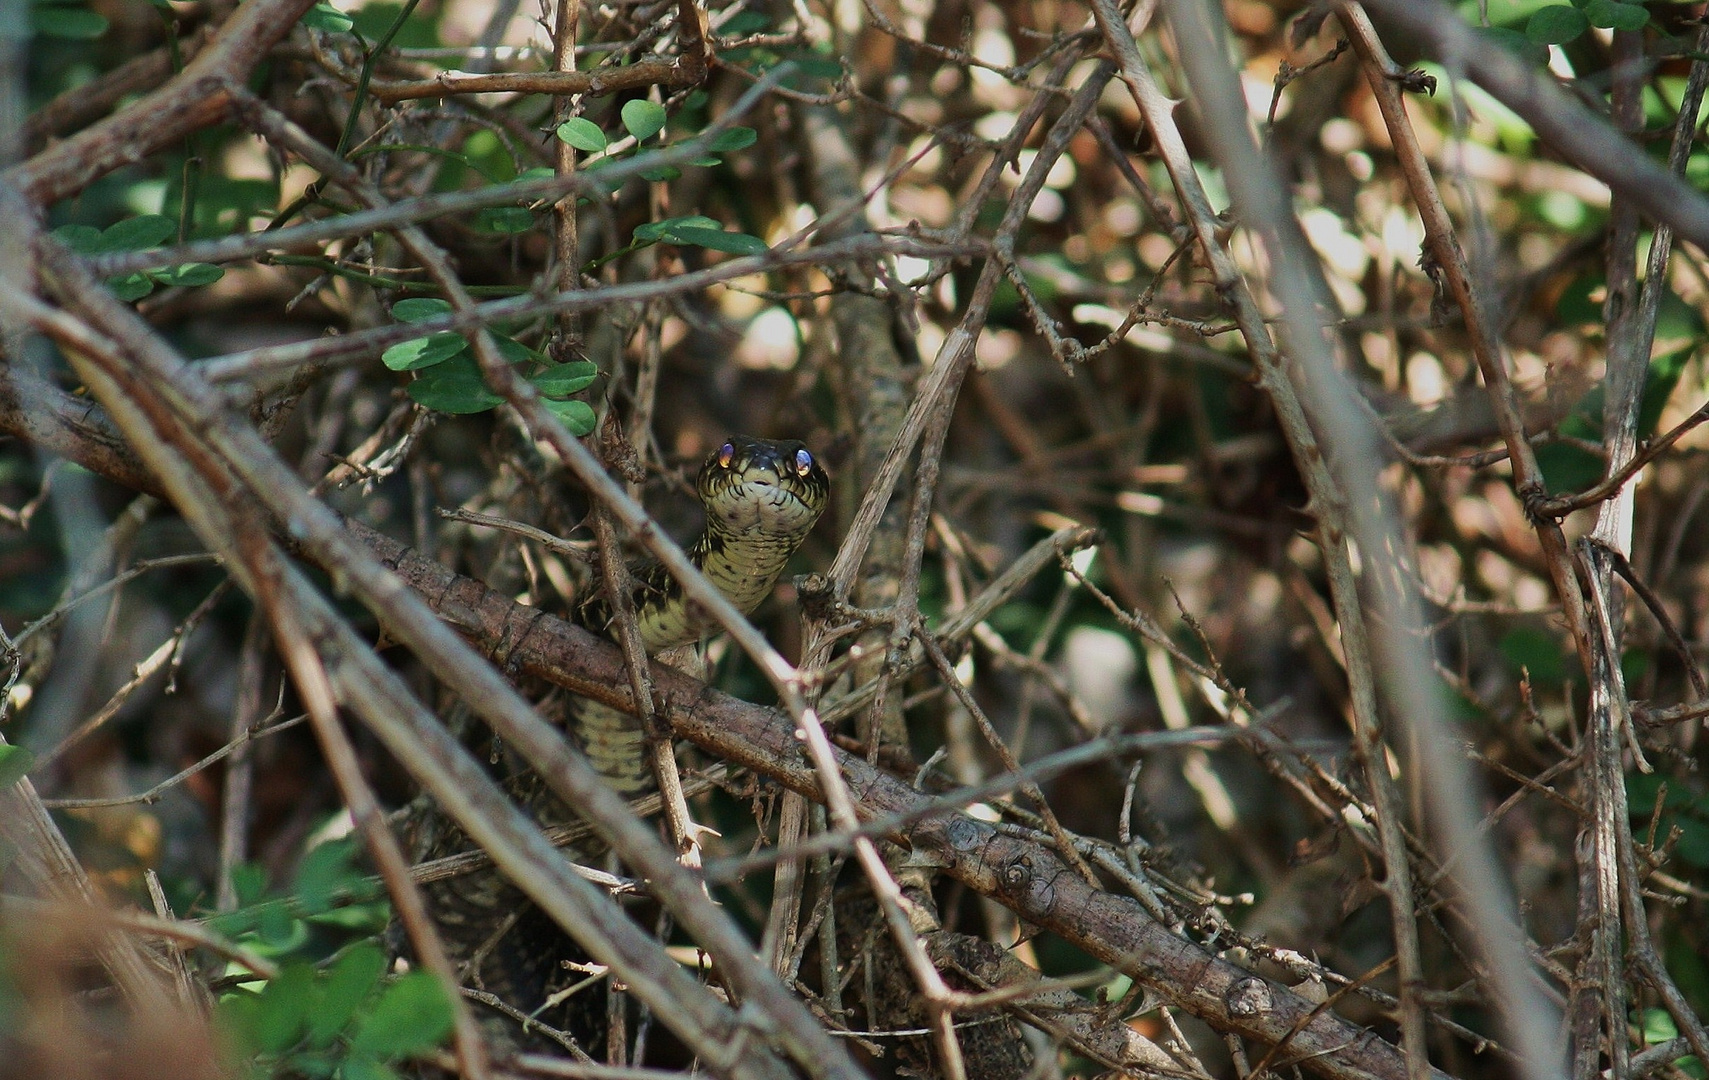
x: 761, y: 498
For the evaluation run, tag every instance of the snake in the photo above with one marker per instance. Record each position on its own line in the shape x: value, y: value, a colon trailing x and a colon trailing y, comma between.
x: 761, y: 498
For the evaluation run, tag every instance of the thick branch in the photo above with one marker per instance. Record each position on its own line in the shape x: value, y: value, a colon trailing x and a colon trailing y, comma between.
x: 1024, y: 876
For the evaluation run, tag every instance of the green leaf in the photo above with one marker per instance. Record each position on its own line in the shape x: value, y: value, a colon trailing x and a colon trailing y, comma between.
x: 188, y: 275
x: 1556, y: 24
x: 286, y: 1003
x: 348, y: 985
x: 736, y: 138
x: 83, y: 239
x: 1575, y: 306
x: 424, y: 352
x: 315, y: 1064
x: 1659, y: 384
x: 413, y: 1014
x: 1568, y: 467
x: 1693, y: 841
x: 1614, y: 15
x: 73, y: 23
x: 1678, y: 319
x: 515, y: 352
x: 745, y: 23
x: 279, y: 931
x: 322, y: 874
x: 236, y: 1015
x: 1536, y: 651
x: 132, y: 287
x: 360, y: 1068
x: 661, y: 174
x: 324, y: 16
x: 583, y: 134
x: 718, y: 240
x: 643, y: 119
x: 505, y: 220
x: 1657, y: 1026
x: 366, y: 918
x: 1515, y: 42
x: 813, y: 71
x: 704, y: 161
x: 455, y: 386
x: 654, y: 231
x: 577, y: 415
x: 248, y: 883
x: 566, y: 379
x: 135, y: 234
x: 376, y: 18
x: 419, y: 309
x: 1634, y: 665
x: 15, y: 761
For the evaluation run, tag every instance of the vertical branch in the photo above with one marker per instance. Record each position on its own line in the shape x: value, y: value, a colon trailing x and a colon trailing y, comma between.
x: 1338, y: 474
x: 1444, y: 249
x: 1337, y: 506
x: 566, y: 246
x: 240, y: 770
x: 1631, y: 320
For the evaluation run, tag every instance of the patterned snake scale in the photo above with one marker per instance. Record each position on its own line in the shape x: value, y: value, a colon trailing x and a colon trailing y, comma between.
x: 761, y: 498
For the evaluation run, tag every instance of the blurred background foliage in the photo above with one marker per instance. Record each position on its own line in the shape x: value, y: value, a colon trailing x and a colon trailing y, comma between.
x: 1159, y: 437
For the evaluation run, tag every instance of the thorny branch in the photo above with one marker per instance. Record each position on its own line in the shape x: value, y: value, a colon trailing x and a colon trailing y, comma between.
x: 961, y: 612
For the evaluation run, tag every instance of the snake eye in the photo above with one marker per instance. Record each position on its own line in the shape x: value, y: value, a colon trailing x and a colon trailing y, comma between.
x: 726, y: 454
x: 803, y: 463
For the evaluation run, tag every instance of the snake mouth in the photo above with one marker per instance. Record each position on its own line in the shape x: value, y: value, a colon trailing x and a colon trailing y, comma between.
x: 772, y: 491
x: 757, y: 487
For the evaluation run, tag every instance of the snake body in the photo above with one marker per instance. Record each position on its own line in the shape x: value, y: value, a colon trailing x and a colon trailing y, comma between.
x: 761, y: 498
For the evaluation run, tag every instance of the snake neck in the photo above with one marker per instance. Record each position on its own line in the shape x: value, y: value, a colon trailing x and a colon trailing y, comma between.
x: 743, y: 567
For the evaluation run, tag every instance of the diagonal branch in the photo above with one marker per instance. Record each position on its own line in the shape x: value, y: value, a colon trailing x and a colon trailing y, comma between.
x: 1026, y: 877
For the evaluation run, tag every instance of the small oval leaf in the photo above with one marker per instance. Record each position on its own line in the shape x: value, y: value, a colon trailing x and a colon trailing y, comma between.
x: 736, y: 138
x: 83, y: 239
x: 15, y: 761
x: 71, y: 23
x: 745, y: 23
x: 420, y: 308
x: 1514, y: 42
x: 718, y: 240
x: 286, y: 1003
x: 1556, y: 24
x: 1614, y: 15
x: 655, y: 230
x: 515, y: 352
x: 324, y: 16
x: 504, y: 220
x: 583, y: 134
x: 643, y: 119
x: 577, y: 415
x: 423, y: 352
x: 188, y: 275
x: 134, y: 234
x: 132, y: 287
x: 455, y: 387
x: 565, y: 379
x: 413, y: 1014
x: 348, y: 985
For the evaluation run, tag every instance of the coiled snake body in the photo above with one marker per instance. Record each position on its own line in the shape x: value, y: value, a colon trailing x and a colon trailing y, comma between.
x: 761, y: 499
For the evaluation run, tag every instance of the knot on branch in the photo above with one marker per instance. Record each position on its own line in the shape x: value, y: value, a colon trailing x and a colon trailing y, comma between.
x: 1249, y: 997
x: 1539, y: 508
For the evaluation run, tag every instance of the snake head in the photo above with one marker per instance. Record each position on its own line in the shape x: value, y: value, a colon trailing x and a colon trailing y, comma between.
x: 763, y: 487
